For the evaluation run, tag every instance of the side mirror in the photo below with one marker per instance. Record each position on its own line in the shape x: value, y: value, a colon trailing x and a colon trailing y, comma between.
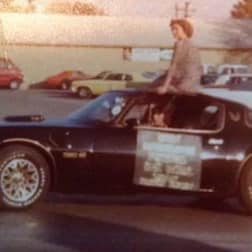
x: 132, y: 122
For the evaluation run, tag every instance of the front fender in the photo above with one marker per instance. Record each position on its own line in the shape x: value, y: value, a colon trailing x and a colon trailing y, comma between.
x: 44, y: 150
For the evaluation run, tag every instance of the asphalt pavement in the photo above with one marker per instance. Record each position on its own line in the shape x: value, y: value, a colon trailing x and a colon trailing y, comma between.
x: 130, y: 223
x: 50, y: 103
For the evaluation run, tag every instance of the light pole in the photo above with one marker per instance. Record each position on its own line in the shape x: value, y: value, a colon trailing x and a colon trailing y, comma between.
x: 186, y: 10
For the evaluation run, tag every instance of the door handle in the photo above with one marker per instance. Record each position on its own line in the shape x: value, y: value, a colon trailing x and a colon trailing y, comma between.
x: 216, y: 141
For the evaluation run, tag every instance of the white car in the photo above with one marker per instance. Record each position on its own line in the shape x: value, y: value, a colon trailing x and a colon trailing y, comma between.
x: 232, y: 69
x: 209, y: 68
x: 230, y: 80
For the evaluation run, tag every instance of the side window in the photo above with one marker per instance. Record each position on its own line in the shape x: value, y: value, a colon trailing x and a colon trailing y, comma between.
x: 237, y: 80
x: 101, y: 75
x: 118, y: 77
x: 210, y: 117
x: 110, y: 77
x: 128, y: 77
x: 114, y: 77
x: 242, y: 70
x: 250, y: 80
x: 138, y: 112
x: 197, y: 115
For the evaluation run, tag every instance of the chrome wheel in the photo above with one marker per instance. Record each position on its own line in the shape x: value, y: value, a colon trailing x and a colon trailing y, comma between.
x: 13, y: 85
x: 24, y: 176
x: 84, y: 92
x: 20, y: 180
x: 245, y: 187
x: 64, y: 86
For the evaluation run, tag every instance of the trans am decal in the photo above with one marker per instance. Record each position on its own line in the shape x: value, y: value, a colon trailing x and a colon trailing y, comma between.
x: 168, y: 160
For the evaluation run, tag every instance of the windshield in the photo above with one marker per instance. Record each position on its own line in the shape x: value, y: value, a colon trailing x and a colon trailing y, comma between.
x: 101, y: 75
x: 101, y: 110
x: 222, y: 80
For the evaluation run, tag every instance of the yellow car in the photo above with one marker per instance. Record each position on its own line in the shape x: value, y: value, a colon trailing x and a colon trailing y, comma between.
x: 106, y: 81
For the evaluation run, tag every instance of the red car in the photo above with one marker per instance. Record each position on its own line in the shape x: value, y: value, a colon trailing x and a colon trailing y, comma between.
x: 10, y: 75
x: 63, y: 80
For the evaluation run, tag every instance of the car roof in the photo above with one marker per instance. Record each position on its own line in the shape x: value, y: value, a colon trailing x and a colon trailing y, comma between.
x: 241, y: 75
x: 237, y: 75
x: 234, y: 96
x: 237, y: 96
x: 234, y: 65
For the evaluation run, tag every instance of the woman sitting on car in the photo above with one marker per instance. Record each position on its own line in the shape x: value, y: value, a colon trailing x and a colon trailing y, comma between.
x: 184, y: 73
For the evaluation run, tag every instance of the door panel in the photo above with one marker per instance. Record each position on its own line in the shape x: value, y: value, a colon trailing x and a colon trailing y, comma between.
x: 185, y: 153
x: 114, y: 157
x: 74, y: 151
x: 168, y: 160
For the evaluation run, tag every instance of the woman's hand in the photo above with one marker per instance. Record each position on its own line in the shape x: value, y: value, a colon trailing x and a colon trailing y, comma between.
x: 161, y: 89
x: 167, y: 89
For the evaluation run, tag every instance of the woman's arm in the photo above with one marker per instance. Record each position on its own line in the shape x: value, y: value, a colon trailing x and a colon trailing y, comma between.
x: 172, y: 69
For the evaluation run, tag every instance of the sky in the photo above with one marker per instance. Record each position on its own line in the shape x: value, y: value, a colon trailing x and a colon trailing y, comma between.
x: 204, y: 9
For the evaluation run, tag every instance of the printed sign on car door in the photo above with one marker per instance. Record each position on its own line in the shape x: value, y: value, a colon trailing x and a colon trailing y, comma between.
x: 168, y: 160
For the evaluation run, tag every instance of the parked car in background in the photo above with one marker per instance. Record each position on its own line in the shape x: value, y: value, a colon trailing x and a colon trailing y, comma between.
x: 154, y: 74
x: 207, y: 79
x: 209, y: 68
x: 106, y: 81
x: 10, y: 75
x: 62, y: 80
x: 209, y: 74
x: 232, y: 68
x: 236, y: 80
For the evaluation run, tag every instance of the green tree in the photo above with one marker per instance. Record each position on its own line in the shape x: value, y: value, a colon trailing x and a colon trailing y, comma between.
x: 242, y: 10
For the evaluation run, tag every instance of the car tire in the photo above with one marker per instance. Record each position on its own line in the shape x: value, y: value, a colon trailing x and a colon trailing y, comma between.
x: 65, y: 85
x: 84, y: 92
x: 24, y: 177
x: 13, y: 85
x: 245, y: 187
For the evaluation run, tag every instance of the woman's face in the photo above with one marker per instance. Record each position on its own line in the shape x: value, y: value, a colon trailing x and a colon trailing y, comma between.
x: 158, y: 119
x: 178, y: 32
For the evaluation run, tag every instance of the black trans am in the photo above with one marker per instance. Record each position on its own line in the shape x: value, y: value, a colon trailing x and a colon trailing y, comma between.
x: 113, y: 145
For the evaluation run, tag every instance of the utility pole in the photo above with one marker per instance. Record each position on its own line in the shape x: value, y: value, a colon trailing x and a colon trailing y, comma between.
x: 30, y: 5
x: 3, y: 41
x: 186, y: 10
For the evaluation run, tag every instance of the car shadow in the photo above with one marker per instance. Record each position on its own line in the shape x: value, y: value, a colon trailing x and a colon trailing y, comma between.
x: 38, y: 231
x: 60, y: 94
x: 229, y: 206
x: 54, y: 93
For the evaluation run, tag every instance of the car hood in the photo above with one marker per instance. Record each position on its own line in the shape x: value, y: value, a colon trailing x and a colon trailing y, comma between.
x: 91, y: 81
x: 50, y: 123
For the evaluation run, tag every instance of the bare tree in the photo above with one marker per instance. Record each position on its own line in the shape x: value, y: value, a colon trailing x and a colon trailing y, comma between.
x: 5, y: 4
x: 242, y: 10
x: 10, y: 6
x: 76, y: 8
x: 63, y: 7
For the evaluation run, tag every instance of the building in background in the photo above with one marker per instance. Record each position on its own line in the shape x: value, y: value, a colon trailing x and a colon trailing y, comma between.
x: 42, y: 45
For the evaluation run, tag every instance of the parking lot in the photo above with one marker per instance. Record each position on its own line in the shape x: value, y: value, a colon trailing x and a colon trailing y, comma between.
x: 111, y: 223
x: 50, y: 103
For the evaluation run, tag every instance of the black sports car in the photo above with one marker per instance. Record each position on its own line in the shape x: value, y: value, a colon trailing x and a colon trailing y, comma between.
x: 114, y: 144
